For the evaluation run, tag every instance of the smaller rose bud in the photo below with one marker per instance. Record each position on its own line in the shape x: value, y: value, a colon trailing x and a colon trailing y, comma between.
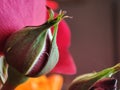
x: 85, y: 82
x: 105, y: 84
x: 33, y: 50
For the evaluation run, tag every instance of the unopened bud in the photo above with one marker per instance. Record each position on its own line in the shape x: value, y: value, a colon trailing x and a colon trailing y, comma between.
x: 86, y: 81
x: 105, y: 84
x: 33, y: 50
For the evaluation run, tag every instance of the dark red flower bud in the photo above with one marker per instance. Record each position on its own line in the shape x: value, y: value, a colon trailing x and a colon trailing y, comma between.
x: 105, y: 84
x: 33, y: 50
x: 89, y: 81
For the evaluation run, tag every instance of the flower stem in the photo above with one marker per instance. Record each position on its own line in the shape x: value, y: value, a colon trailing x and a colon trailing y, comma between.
x: 14, y: 79
x: 8, y: 86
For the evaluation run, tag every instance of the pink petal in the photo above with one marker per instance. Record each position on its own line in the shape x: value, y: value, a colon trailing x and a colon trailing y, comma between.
x: 15, y: 14
x: 66, y: 64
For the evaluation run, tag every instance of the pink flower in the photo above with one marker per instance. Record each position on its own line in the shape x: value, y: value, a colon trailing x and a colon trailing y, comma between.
x: 15, y: 14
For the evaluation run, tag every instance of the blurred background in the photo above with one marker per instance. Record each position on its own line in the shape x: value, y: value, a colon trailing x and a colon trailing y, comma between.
x: 95, y: 30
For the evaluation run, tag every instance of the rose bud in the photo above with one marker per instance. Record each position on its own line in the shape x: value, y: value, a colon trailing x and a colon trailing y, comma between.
x: 33, y: 50
x: 105, y: 84
x: 84, y: 82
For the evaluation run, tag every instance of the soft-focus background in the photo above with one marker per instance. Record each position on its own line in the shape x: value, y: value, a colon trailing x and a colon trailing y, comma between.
x: 95, y: 29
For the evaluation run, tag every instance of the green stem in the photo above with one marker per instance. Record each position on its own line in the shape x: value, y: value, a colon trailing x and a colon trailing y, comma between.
x: 8, y: 86
x: 14, y: 79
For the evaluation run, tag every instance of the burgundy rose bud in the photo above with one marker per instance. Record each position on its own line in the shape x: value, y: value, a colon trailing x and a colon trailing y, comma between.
x: 105, y: 84
x: 86, y: 81
x: 33, y: 50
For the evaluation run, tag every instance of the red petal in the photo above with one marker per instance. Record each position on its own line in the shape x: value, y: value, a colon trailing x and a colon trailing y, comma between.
x: 52, y: 4
x: 66, y: 64
x: 15, y: 14
x: 63, y: 39
x: 64, y: 35
x: 1, y: 54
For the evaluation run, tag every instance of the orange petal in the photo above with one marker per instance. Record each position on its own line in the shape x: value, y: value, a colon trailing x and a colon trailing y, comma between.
x: 56, y: 81
x: 39, y: 83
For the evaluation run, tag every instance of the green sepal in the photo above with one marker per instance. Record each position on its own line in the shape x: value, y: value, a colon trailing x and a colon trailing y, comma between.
x: 54, y: 53
x: 51, y: 14
x: 37, y: 47
x: 14, y: 77
x: 3, y: 69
